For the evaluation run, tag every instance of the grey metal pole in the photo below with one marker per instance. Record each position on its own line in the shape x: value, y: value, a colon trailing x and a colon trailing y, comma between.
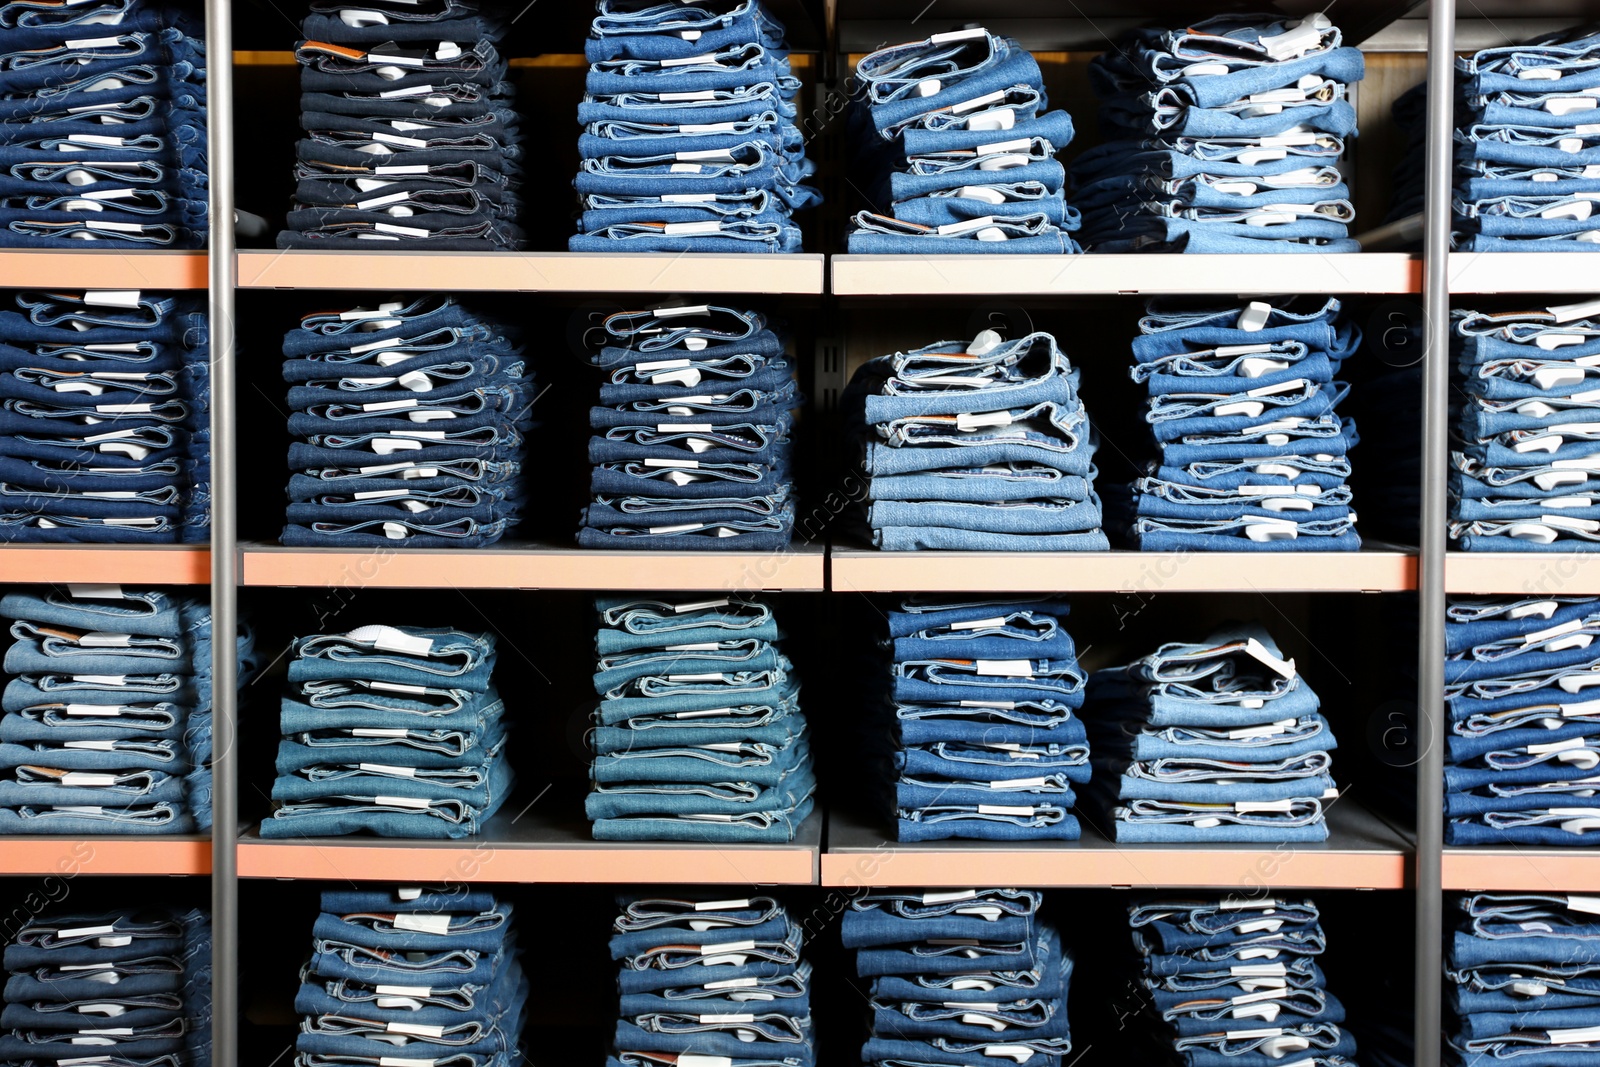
x: 224, y: 545
x: 1430, y: 565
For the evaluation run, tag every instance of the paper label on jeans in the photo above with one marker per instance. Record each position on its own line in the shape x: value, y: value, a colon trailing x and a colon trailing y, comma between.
x: 1003, y: 668
x: 416, y: 1029
x: 1587, y: 904
x: 384, y: 768
x: 709, y: 1019
x: 700, y: 605
x: 727, y: 946
x: 732, y: 983
x: 950, y: 896
x: 1245, y: 807
x: 1004, y: 809
x: 720, y: 905
x: 1259, y: 970
x: 1020, y: 1053
x: 390, y: 639
x: 1258, y: 651
x: 1587, y: 1035
x: 1271, y: 729
x: 84, y: 778
x: 401, y: 1061
x: 376, y: 731
x: 1004, y: 705
x: 1259, y: 954
x: 92, y: 591
x: 422, y: 923
x: 86, y: 931
x: 691, y: 1060
x: 112, y: 298
x: 979, y: 624
x: 1539, y: 636
x: 705, y: 155
x: 685, y: 168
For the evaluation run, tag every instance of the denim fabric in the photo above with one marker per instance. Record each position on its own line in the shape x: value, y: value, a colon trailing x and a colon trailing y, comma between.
x: 105, y: 411
x: 411, y: 138
x: 949, y: 132
x: 1243, y: 410
x: 107, y: 727
x: 1522, y: 738
x: 691, y: 449
x: 1218, y: 740
x: 689, y: 139
x: 1215, y: 138
x: 699, y: 734
x: 972, y: 971
x: 391, y: 730
x: 976, y: 445
x: 440, y: 393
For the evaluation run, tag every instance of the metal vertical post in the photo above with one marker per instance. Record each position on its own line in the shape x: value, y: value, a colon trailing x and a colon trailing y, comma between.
x: 1430, y: 564
x: 224, y: 543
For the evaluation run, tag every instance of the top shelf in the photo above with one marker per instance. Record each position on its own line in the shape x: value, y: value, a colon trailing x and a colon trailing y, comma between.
x: 532, y: 272
x: 1091, y: 274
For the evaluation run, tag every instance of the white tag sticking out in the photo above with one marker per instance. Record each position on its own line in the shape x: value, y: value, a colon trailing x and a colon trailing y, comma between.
x: 422, y: 923
x: 94, y: 592
x: 1004, y: 668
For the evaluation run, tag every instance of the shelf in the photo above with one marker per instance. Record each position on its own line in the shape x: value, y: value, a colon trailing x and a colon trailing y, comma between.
x: 527, y: 848
x: 1576, y: 571
x: 1362, y: 852
x: 1374, y: 272
x: 1521, y: 867
x: 130, y: 564
x: 532, y: 272
x: 30, y: 268
x: 525, y: 566
x: 1522, y: 272
x: 1376, y: 570
x: 121, y: 854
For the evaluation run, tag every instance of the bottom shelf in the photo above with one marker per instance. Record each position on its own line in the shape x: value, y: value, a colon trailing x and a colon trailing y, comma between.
x: 1362, y: 852
x: 532, y: 849
x: 1520, y: 867
x: 69, y: 857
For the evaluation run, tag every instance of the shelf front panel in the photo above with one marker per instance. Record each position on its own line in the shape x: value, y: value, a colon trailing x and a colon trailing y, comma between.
x: 120, y: 854
x: 869, y: 570
x: 1523, y: 272
x: 533, y: 567
x: 129, y: 564
x: 1362, y: 852
x: 530, y: 849
x: 1522, y: 868
x: 530, y: 272
x: 940, y: 276
x: 1574, y: 571
x: 31, y: 268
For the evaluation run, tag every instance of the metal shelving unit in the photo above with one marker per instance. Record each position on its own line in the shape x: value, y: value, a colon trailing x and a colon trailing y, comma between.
x: 177, y: 854
x: 30, y: 268
x: 1523, y: 573
x: 1533, y: 870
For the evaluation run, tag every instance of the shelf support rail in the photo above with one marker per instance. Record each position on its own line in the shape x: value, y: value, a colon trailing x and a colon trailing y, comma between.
x: 1431, y: 544
x: 222, y: 278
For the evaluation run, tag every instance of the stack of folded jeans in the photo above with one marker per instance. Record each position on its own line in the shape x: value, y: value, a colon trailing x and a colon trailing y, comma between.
x: 121, y: 987
x: 960, y: 976
x: 978, y: 738
x: 1234, y: 983
x: 691, y: 435
x: 409, y: 422
x: 107, y: 726
x: 393, y: 730
x: 1524, y: 740
x: 411, y: 140
x: 954, y: 134
x: 698, y: 735
x: 105, y: 419
x: 1224, y: 136
x: 1528, y: 146
x: 103, y: 115
x: 1522, y: 970
x: 1527, y: 443
x: 1253, y: 454
x: 410, y: 975
x: 689, y: 139
x: 1220, y: 740
x: 976, y: 445
x: 705, y: 983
